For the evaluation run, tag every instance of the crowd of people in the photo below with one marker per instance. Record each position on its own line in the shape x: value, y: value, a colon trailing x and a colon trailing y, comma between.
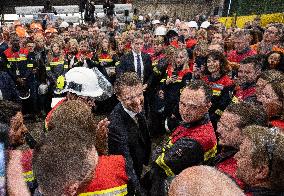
x: 151, y: 107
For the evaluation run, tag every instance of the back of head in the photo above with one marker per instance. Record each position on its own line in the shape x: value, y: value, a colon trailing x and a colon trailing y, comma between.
x: 203, y: 180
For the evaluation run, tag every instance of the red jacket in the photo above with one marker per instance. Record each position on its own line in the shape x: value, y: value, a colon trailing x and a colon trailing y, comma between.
x: 203, y: 133
x: 244, y: 94
x: 109, y: 178
x: 233, y: 56
x: 229, y: 166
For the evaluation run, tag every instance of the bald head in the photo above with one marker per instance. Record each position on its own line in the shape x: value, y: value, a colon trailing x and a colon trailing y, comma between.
x: 203, y: 180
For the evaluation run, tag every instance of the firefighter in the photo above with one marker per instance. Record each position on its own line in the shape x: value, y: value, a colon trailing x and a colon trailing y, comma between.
x: 191, y: 143
x: 20, y: 67
x: 221, y: 84
x: 56, y: 68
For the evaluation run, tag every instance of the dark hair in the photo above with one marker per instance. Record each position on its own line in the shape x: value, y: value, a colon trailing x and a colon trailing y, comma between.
x: 126, y: 79
x: 8, y: 110
x: 62, y: 155
x: 249, y: 113
x: 216, y: 55
x: 200, y: 84
x: 256, y: 60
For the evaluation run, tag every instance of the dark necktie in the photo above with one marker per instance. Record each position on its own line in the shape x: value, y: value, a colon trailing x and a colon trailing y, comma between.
x: 139, y: 66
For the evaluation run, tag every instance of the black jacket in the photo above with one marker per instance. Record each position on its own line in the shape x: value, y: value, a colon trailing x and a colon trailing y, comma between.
x: 130, y: 140
x: 127, y: 64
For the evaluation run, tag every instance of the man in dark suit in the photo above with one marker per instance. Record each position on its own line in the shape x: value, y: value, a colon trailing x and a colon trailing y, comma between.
x: 128, y: 129
x: 137, y: 61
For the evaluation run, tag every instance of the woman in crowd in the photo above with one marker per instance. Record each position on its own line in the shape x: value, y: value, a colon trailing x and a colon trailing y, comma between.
x: 222, y: 85
x: 275, y: 60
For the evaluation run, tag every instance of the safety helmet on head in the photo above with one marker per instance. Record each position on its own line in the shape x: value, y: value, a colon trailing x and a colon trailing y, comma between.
x: 82, y: 81
x: 161, y: 30
x: 192, y: 24
x: 205, y: 24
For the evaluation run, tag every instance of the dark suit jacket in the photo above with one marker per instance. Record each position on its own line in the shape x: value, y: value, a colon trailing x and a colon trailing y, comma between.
x: 127, y: 64
x: 130, y: 140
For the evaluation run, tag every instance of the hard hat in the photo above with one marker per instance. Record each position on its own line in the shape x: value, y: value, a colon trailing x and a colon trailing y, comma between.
x: 161, y: 30
x: 59, y: 84
x: 21, y: 32
x: 64, y: 24
x: 83, y: 82
x: 156, y: 22
x: 51, y: 30
x: 192, y: 24
x: 205, y: 24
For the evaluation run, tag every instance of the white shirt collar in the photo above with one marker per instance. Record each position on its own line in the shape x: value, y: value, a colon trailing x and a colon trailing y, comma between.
x: 136, y: 54
x: 130, y: 113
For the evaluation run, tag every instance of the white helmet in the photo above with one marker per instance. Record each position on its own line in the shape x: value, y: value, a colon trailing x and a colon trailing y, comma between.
x: 83, y: 82
x: 205, y: 24
x: 161, y: 30
x: 192, y: 24
x: 156, y: 22
x: 64, y: 24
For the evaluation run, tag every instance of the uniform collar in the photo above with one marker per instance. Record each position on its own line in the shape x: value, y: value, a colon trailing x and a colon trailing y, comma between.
x: 204, y: 120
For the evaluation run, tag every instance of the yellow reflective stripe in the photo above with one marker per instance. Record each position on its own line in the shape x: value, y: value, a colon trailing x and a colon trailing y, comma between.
x: 17, y: 59
x: 12, y: 59
x: 56, y: 63
x: 30, y: 65
x: 219, y: 112
x: 29, y: 176
x: 155, y: 69
x: 160, y: 161
x: 105, y: 60
x: 23, y: 58
x: 8, y: 66
x: 117, y: 63
x: 163, y: 80
x: 47, y: 68
x: 66, y: 66
x: 120, y: 190
x: 154, y: 64
x: 210, y: 153
x: 235, y: 99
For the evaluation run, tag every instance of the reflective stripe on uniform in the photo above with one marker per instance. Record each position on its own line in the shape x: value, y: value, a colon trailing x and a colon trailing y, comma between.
x: 66, y: 66
x: 117, y: 191
x: 117, y: 63
x: 12, y: 59
x: 8, y: 66
x: 210, y: 153
x: 216, y: 92
x: 23, y: 58
x: 30, y: 65
x: 28, y: 176
x: 47, y: 68
x: 160, y: 161
x: 17, y: 59
x: 56, y: 63
x: 235, y: 99
x: 105, y: 60
x: 219, y: 112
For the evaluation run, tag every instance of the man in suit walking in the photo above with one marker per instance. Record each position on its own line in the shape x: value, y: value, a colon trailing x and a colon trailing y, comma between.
x: 128, y: 129
x: 137, y: 61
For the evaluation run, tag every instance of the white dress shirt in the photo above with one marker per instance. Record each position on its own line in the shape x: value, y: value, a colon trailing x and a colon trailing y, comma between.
x: 130, y: 113
x: 141, y: 63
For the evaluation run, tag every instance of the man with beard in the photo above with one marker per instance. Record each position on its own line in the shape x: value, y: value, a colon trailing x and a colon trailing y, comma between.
x: 128, y: 129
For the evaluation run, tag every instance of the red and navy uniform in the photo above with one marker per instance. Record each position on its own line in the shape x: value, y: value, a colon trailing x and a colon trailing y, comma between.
x: 226, y: 163
x: 106, y: 63
x: 277, y: 123
x: 200, y: 131
x: 222, y: 90
x: 245, y: 92
x: 109, y: 178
